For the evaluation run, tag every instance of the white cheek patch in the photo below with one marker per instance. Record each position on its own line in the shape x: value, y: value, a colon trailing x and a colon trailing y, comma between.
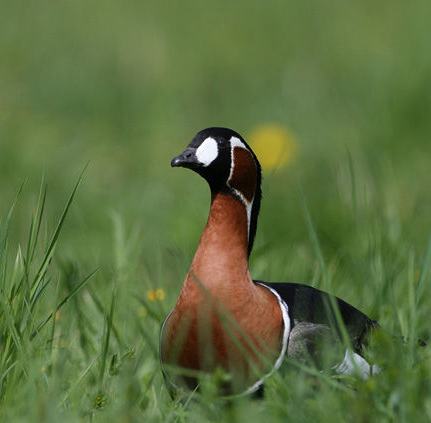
x: 207, y: 152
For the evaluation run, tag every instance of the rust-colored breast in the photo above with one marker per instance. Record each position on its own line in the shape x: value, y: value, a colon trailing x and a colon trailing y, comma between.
x: 243, y: 337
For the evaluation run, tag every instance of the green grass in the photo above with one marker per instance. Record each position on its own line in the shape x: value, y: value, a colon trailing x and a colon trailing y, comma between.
x: 76, y: 346
x: 124, y: 86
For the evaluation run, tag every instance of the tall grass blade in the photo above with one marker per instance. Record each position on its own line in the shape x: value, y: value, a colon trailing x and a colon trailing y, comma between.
x: 313, y: 237
x: 5, y: 227
x: 36, y: 224
x: 333, y: 306
x: 63, y: 302
x: 107, y: 338
x: 426, y: 266
x: 14, y: 334
x: 99, y: 305
x: 50, y: 250
x: 352, y: 181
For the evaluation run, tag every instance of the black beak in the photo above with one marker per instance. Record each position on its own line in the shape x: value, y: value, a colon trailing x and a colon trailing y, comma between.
x: 186, y: 159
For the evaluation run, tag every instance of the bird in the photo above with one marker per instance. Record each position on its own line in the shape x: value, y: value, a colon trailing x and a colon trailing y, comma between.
x: 223, y: 321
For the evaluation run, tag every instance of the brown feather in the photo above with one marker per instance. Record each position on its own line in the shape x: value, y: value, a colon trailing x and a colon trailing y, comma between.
x: 244, y: 173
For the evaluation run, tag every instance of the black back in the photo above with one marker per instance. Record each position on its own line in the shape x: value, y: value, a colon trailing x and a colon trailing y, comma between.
x: 308, y: 304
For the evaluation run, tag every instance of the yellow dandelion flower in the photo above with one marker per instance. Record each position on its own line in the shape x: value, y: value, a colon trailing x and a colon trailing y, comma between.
x: 160, y: 294
x: 151, y: 295
x: 43, y: 369
x: 156, y: 294
x: 142, y: 311
x: 274, y: 145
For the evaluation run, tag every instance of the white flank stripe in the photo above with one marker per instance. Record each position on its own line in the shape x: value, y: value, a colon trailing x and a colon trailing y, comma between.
x: 286, y: 319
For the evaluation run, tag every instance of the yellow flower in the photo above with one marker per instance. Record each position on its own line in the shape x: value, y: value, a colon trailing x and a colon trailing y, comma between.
x: 274, y: 145
x: 142, y: 311
x: 156, y: 294
x: 43, y: 369
x: 160, y: 294
x: 151, y: 295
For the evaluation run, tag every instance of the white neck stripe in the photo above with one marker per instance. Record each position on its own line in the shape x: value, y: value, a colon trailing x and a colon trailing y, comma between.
x: 236, y: 142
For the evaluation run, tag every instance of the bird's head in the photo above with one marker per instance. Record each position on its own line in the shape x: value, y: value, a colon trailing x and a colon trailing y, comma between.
x: 228, y: 164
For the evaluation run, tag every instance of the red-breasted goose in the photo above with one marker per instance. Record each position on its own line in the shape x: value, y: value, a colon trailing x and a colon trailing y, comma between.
x: 223, y: 318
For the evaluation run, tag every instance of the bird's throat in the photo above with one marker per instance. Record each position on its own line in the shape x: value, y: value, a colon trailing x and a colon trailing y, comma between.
x: 221, y: 257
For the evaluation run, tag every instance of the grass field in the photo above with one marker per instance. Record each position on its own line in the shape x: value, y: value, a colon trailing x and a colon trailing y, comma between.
x: 119, y: 88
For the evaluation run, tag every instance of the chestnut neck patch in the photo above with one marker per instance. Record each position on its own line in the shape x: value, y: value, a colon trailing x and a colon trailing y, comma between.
x: 243, y: 173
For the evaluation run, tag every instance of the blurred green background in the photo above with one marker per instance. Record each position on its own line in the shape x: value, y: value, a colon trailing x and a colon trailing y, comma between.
x: 127, y: 84
x: 124, y: 85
